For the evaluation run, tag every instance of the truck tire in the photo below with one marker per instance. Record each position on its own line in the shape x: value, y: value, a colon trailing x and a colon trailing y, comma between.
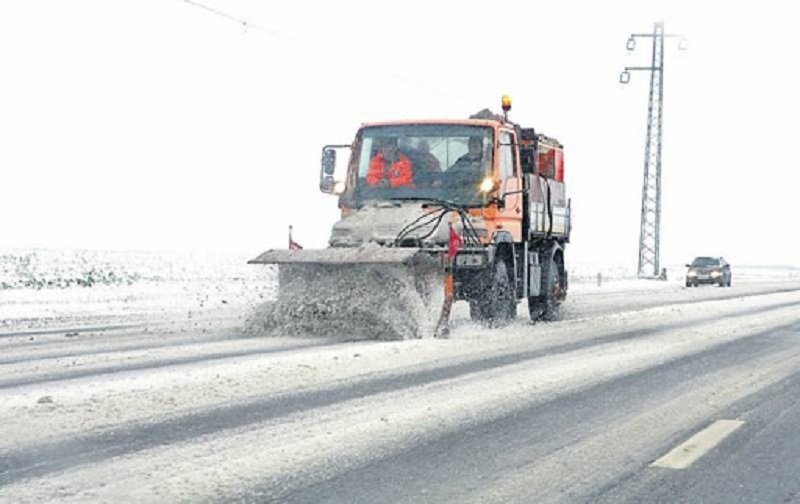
x: 547, y: 306
x: 475, y: 312
x: 496, y: 305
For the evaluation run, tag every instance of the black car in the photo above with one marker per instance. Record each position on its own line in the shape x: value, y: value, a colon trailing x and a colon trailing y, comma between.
x: 708, y: 270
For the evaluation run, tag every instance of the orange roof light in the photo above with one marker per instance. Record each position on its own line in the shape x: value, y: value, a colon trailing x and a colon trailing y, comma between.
x: 506, y: 103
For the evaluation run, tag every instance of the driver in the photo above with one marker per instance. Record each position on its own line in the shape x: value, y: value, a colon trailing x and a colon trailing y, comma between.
x: 389, y: 167
x: 469, y: 167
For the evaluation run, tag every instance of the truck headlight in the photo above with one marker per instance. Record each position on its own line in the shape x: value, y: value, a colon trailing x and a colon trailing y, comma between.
x: 489, y: 185
x: 715, y: 274
x: 692, y: 273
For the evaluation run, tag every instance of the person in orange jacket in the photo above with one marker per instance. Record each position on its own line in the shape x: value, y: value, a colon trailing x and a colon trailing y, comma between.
x: 389, y: 167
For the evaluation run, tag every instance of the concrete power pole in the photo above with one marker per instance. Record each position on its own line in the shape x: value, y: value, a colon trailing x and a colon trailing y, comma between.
x: 649, y: 234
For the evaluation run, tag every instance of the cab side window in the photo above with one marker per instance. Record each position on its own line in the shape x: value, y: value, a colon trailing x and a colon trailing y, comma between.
x: 507, y: 161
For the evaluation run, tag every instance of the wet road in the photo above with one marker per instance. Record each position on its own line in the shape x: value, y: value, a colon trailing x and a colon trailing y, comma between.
x: 582, y: 410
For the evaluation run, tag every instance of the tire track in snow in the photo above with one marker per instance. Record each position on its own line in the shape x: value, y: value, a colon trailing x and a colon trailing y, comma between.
x: 480, y: 454
x: 124, y: 440
x: 192, y: 359
x: 41, y: 332
x: 150, y: 364
x: 100, y: 344
x: 289, y: 453
x: 645, y: 299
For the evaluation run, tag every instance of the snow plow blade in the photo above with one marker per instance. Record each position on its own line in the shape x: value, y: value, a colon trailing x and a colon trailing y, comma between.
x: 369, y: 292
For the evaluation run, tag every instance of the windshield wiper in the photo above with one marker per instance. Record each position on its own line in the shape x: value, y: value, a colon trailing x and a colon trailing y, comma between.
x: 437, y: 201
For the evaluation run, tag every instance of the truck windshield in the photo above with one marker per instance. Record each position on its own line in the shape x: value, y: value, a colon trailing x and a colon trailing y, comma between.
x: 446, y: 162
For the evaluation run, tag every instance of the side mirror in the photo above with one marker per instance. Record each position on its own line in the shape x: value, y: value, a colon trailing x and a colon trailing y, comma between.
x: 327, y: 172
x: 328, y: 161
x: 688, y: 265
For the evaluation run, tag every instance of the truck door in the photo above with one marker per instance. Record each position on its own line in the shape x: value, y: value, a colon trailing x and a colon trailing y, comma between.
x: 510, y: 217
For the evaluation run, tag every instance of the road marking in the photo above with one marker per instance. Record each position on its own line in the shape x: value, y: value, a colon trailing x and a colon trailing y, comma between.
x: 684, y: 455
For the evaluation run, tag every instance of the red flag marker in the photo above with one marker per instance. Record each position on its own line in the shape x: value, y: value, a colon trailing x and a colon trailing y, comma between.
x: 293, y: 245
x: 453, y: 244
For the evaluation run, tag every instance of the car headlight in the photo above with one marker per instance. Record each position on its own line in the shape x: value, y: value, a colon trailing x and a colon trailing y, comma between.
x: 692, y: 273
x: 715, y: 274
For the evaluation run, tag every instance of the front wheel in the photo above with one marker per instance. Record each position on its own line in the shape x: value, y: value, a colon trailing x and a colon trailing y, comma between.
x: 496, y: 305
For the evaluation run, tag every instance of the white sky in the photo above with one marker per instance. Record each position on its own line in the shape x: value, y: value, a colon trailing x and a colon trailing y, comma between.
x: 159, y: 125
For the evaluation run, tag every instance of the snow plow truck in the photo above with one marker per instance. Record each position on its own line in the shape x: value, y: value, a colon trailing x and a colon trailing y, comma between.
x: 432, y: 212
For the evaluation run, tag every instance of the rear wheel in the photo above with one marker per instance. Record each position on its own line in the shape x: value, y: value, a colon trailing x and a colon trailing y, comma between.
x: 475, y: 312
x: 547, y: 306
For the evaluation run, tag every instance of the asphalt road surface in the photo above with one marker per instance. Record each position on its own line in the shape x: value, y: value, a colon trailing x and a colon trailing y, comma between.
x: 639, y: 395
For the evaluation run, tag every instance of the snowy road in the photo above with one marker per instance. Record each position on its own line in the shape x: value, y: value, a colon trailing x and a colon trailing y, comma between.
x: 147, y: 397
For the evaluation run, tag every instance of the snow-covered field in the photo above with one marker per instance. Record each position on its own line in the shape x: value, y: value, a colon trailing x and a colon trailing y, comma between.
x: 56, y: 288
x: 149, y: 389
x: 47, y: 268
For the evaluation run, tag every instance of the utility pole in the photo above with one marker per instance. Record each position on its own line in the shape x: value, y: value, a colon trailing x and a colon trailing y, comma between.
x: 649, y: 234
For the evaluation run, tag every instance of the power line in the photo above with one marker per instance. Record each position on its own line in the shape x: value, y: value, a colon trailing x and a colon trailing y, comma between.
x: 315, y: 50
x: 245, y: 23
